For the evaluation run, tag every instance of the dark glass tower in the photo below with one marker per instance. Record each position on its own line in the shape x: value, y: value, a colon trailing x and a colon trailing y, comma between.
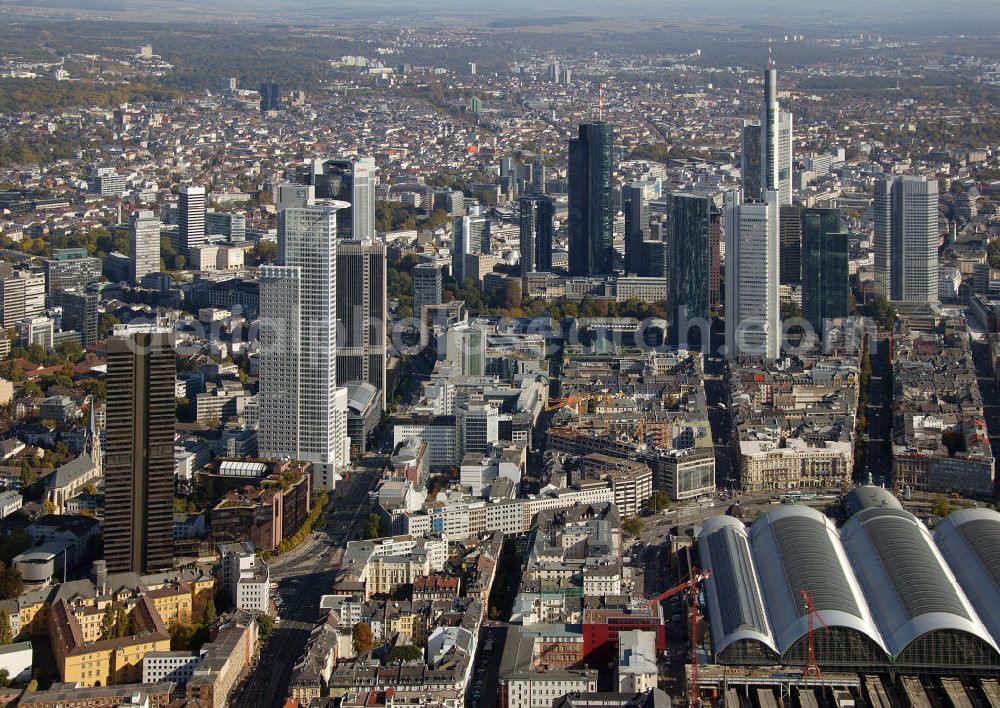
x: 790, y: 244
x: 270, y: 97
x: 825, y: 275
x: 636, y: 210
x: 537, y: 214
x: 689, y: 281
x: 591, y: 200
x: 139, y: 467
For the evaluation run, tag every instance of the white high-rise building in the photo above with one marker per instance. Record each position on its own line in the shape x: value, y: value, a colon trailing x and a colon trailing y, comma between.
x: 753, y: 311
x: 906, y: 238
x: 461, y: 236
x: 766, y: 147
x: 191, y: 217
x: 363, y: 198
x: 303, y: 414
x: 144, y: 245
x: 478, y: 426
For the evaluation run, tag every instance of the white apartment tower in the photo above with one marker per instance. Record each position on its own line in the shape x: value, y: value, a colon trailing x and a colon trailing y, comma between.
x: 906, y: 238
x: 303, y: 414
x: 753, y: 313
x: 144, y: 245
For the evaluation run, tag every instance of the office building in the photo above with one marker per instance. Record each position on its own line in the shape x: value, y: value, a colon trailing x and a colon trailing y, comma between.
x: 361, y: 313
x: 906, y: 238
x: 139, y: 463
x: 106, y: 181
x: 825, y: 277
x: 461, y: 235
x: 537, y: 225
x: 191, y: 218
x: 232, y: 226
x: 750, y: 170
x: 270, y: 97
x: 715, y: 265
x: 591, y: 200
x: 22, y: 294
x: 771, y: 139
x: 790, y: 239
x: 352, y: 181
x: 144, y: 245
x: 426, y: 286
x: 478, y: 427
x: 636, y: 209
x: 80, y: 314
x: 538, y: 175
x: 753, y: 314
x: 688, y: 284
x: 70, y: 268
x: 303, y: 415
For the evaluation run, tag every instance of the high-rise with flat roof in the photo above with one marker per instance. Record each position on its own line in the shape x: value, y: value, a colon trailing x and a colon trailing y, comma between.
x: 70, y: 268
x: 191, y: 218
x: 591, y: 200
x: 537, y: 217
x: 426, y: 286
x: 688, y: 280
x: 636, y: 208
x: 753, y: 314
x: 80, y: 314
x: 825, y: 274
x: 790, y: 238
x: 303, y: 414
x: 139, y: 464
x: 361, y: 313
x: 144, y: 245
x: 353, y: 181
x: 270, y: 97
x: 906, y: 238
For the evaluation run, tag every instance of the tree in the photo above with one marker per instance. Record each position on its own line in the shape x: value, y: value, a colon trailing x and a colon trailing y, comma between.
x: 659, y: 501
x: 361, y: 637
x: 633, y: 526
x: 108, y: 622
x: 123, y: 625
x: 6, y: 631
x: 882, y: 311
x: 265, y: 625
x: 210, y: 612
x: 403, y: 653
x: 4, y: 678
x: 106, y: 324
x: 265, y: 251
x: 373, y: 529
x: 941, y: 507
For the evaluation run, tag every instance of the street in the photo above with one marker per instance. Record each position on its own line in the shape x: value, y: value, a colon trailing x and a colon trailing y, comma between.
x: 312, y: 565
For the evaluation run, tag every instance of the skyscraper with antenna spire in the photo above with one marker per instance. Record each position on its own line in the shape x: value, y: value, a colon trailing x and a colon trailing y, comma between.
x: 766, y: 145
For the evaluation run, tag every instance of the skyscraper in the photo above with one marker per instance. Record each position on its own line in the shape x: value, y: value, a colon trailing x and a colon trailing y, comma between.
x: 70, y: 268
x: 361, y: 313
x: 303, y: 414
x: 591, y: 200
x: 80, y: 314
x: 825, y: 274
x: 270, y: 97
x: 353, y: 181
x: 537, y: 214
x: 191, y: 218
x: 538, y: 175
x: 906, y: 238
x: 426, y: 286
x: 753, y: 314
x: 139, y: 466
x: 144, y: 245
x: 460, y: 239
x: 790, y: 238
x: 636, y: 209
x: 750, y: 170
x: 688, y: 283
x: 776, y: 141
x: 771, y: 138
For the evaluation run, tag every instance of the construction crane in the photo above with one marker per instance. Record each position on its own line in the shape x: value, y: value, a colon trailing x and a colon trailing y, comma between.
x: 697, y: 576
x: 811, y: 669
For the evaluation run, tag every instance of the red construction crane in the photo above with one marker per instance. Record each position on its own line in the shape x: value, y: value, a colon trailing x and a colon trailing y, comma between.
x: 811, y: 669
x: 697, y: 576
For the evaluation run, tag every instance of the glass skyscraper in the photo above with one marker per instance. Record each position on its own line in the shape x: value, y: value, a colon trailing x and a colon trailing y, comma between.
x: 825, y: 275
x: 591, y: 200
x: 636, y: 210
x: 537, y: 214
x: 689, y: 281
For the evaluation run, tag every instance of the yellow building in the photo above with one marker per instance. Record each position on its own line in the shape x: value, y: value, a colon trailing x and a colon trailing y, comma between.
x: 85, y: 659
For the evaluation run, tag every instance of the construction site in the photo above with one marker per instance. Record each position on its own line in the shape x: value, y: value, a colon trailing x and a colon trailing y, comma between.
x: 881, y: 611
